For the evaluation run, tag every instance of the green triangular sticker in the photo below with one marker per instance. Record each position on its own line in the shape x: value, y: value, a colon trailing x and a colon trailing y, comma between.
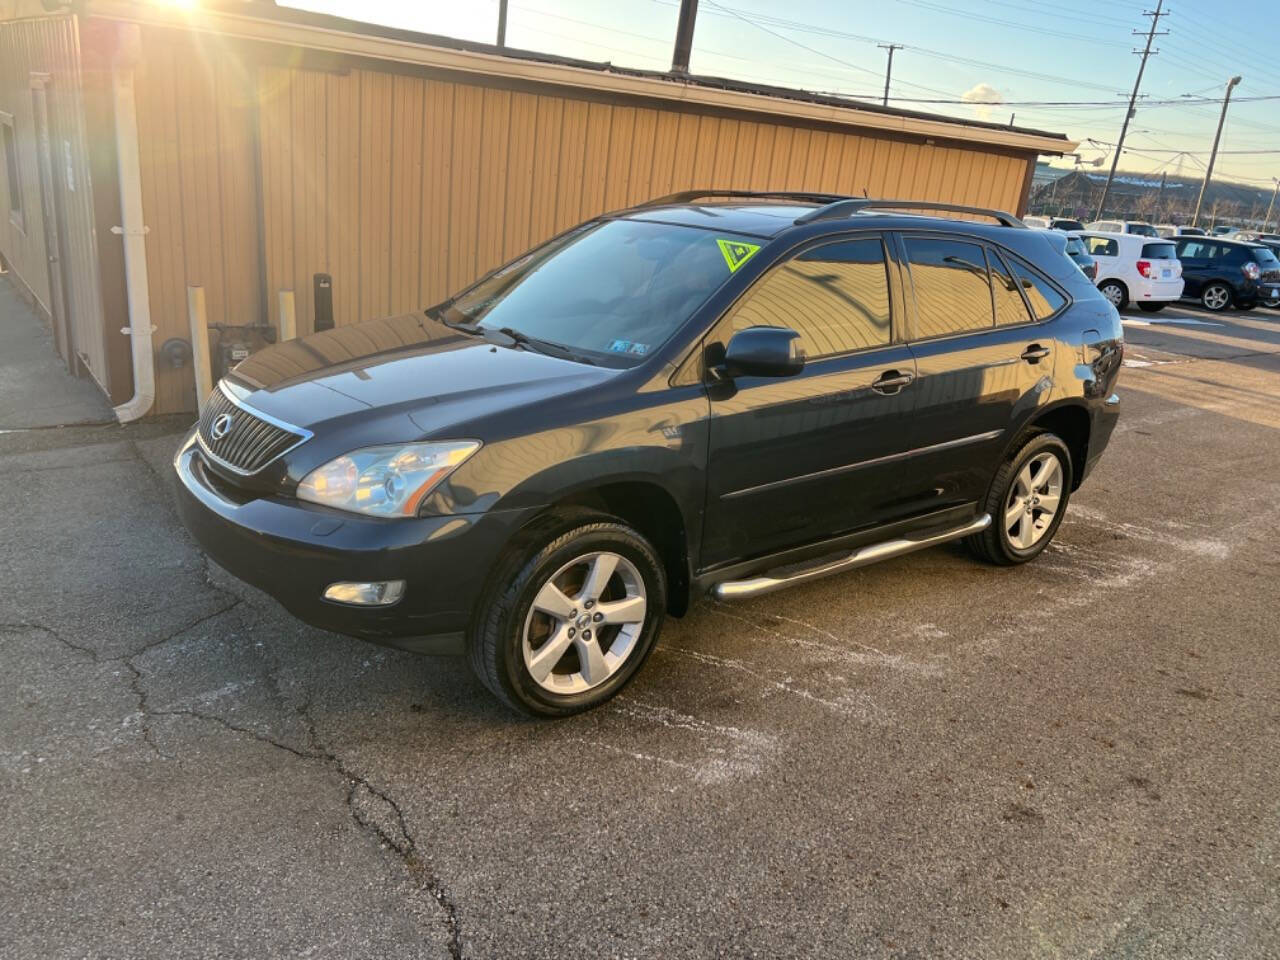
x: 736, y: 253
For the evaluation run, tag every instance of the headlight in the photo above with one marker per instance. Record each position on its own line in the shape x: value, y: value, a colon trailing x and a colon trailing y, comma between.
x: 384, y: 481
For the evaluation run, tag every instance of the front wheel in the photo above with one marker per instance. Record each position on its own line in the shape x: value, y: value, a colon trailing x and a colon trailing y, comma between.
x: 1152, y: 307
x: 1215, y: 297
x: 570, y: 616
x: 1027, y: 501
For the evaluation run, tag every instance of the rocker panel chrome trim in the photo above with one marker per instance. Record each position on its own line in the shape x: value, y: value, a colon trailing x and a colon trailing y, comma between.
x: 862, y: 557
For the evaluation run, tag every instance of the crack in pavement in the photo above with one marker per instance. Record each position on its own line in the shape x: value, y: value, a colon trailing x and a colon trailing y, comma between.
x: 395, y: 836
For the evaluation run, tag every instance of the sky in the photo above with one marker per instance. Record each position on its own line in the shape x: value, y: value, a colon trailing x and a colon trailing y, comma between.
x: 1030, y: 55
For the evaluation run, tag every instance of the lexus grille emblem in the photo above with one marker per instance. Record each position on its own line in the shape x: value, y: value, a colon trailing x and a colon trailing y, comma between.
x: 221, y: 426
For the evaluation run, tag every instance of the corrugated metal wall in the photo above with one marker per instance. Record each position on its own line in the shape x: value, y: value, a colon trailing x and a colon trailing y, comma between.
x: 455, y: 179
x: 405, y: 188
x: 196, y: 110
x: 50, y: 46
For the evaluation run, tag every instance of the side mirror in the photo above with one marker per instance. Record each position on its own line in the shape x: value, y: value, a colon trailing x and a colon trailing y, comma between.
x: 762, y: 352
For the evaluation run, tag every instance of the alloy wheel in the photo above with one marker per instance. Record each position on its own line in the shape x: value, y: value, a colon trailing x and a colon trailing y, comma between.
x: 1113, y: 293
x: 584, y: 622
x: 1216, y: 297
x: 1033, y: 501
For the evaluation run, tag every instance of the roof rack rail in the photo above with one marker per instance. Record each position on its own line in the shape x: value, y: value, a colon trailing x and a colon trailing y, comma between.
x: 686, y: 196
x: 847, y: 207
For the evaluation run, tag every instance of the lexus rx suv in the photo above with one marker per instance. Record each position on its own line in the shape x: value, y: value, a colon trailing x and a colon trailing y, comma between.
x: 718, y: 393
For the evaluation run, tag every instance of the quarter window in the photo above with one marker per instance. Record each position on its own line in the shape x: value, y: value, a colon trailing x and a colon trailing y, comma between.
x: 953, y: 293
x: 835, y: 296
x: 1044, y: 299
x: 1010, y: 307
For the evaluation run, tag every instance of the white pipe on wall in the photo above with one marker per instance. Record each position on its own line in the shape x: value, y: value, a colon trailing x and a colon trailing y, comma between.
x: 198, y: 320
x: 132, y: 230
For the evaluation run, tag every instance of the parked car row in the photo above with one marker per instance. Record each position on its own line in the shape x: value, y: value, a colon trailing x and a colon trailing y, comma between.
x: 1132, y: 262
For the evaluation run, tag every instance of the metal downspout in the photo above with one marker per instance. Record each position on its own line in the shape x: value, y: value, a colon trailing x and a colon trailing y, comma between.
x: 132, y: 231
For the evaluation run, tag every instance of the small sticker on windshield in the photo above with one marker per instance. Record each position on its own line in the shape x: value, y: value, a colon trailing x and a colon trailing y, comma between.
x: 736, y: 253
x: 629, y: 346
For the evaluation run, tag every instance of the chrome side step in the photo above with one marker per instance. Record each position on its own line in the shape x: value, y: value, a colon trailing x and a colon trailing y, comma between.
x: 862, y: 557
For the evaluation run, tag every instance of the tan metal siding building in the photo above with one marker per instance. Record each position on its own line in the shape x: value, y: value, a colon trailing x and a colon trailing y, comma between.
x: 275, y: 146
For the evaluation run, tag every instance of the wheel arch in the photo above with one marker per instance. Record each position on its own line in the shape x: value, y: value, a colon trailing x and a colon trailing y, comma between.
x: 653, y: 511
x: 1069, y: 420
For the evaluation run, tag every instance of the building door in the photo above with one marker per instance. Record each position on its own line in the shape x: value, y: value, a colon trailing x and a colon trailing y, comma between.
x: 53, y: 220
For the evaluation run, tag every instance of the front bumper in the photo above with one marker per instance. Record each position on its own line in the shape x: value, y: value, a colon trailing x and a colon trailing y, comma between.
x: 293, y: 551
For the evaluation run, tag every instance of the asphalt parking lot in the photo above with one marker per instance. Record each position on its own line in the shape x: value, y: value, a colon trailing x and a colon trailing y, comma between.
x: 926, y: 758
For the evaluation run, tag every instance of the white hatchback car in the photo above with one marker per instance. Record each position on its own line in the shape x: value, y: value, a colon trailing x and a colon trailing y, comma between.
x: 1134, y: 269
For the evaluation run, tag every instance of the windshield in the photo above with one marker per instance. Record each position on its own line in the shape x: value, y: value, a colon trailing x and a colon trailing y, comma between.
x: 613, y: 291
x: 1143, y: 229
x: 1075, y: 247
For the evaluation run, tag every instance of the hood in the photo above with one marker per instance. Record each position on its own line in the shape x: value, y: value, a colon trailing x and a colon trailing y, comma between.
x: 401, y: 365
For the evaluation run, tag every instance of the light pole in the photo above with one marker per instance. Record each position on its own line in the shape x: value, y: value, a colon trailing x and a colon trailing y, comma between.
x: 1213, y: 154
x: 1266, y: 221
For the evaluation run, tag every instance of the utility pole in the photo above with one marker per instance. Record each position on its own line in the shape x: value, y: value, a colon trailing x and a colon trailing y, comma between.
x: 888, y: 72
x: 1213, y: 155
x: 1164, y: 176
x: 1266, y: 221
x: 502, y: 23
x: 684, y: 36
x: 1146, y: 52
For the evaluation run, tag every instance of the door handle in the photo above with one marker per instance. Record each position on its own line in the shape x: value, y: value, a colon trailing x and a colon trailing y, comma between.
x: 1034, y: 353
x: 892, y: 381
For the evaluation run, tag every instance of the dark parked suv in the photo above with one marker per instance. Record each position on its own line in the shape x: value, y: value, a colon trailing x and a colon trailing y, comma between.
x: 716, y: 392
x: 1223, y: 273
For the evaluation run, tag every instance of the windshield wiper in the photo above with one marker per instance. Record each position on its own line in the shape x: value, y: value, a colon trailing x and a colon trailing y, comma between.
x: 551, y: 349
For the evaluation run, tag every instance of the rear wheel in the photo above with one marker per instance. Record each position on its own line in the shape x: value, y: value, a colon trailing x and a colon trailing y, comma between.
x: 1115, y: 292
x: 1027, y: 500
x: 1152, y: 307
x: 1216, y: 296
x: 570, y: 615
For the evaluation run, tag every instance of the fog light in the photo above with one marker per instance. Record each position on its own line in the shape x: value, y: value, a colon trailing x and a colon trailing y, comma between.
x: 380, y: 593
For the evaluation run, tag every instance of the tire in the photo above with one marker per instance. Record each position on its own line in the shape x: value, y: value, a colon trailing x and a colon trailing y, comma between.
x: 1216, y: 297
x: 1152, y: 307
x: 996, y: 544
x: 512, y: 624
x: 1271, y: 304
x: 1116, y: 292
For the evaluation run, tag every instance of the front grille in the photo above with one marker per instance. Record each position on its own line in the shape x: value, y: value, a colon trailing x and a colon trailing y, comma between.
x: 237, y: 438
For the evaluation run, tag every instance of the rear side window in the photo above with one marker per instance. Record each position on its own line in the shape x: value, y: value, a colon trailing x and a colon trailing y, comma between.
x: 1102, y: 247
x: 953, y: 293
x: 1160, y: 251
x: 835, y: 296
x: 1004, y: 288
x: 1040, y: 293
